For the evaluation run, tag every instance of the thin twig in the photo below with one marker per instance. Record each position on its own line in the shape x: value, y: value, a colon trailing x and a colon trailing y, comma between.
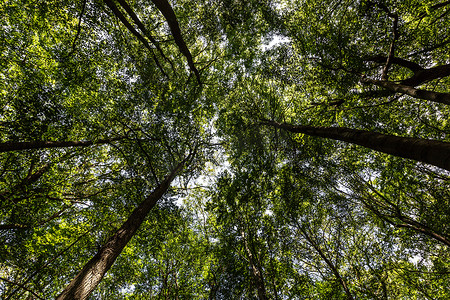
x: 78, y: 30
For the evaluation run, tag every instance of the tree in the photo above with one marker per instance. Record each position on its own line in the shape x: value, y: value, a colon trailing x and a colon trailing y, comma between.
x: 430, y: 151
x: 224, y: 149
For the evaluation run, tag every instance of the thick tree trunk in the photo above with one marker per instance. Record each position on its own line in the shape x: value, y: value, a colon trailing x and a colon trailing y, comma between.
x: 17, y: 146
x: 411, y: 91
x: 433, y: 152
x: 94, y: 270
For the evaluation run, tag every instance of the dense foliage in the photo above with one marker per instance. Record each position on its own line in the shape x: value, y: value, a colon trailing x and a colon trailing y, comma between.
x: 289, y: 149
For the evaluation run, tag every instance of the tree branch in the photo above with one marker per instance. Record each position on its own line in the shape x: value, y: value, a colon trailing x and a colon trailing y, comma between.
x: 22, y: 287
x: 436, y: 6
x: 78, y: 29
x: 395, y: 35
x: 168, y: 13
x: 48, y: 263
x: 430, y: 48
x: 437, y: 97
x: 425, y: 75
x: 396, y: 60
x: 125, y: 22
x: 141, y: 26
x: 19, y: 146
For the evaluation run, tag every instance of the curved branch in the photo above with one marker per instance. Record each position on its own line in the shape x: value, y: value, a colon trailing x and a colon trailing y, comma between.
x: 397, y: 215
x: 411, y: 91
x: 396, y: 60
x: 419, y: 227
x: 425, y: 75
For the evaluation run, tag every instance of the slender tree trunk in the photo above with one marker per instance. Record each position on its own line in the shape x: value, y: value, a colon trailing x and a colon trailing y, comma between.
x: 130, y: 27
x: 17, y: 146
x: 256, y: 272
x: 167, y: 11
x: 411, y: 91
x: 214, y: 287
x: 392, y: 218
x: 141, y: 26
x: 416, y: 226
x: 433, y: 152
x: 329, y: 263
x: 94, y: 270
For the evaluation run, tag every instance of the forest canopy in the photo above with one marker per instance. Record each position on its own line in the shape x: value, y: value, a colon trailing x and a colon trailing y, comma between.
x: 176, y: 149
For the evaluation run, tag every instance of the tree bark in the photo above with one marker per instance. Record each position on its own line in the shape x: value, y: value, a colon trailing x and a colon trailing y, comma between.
x: 411, y: 91
x: 18, y: 146
x: 141, y: 26
x: 432, y: 152
x: 425, y: 75
x: 127, y: 24
x: 419, y: 227
x: 168, y: 13
x: 256, y: 272
x: 94, y: 270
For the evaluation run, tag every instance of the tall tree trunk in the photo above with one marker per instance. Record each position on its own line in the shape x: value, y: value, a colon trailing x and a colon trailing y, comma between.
x: 433, y: 152
x: 256, y: 271
x: 94, y: 270
x: 17, y: 146
x: 141, y: 26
